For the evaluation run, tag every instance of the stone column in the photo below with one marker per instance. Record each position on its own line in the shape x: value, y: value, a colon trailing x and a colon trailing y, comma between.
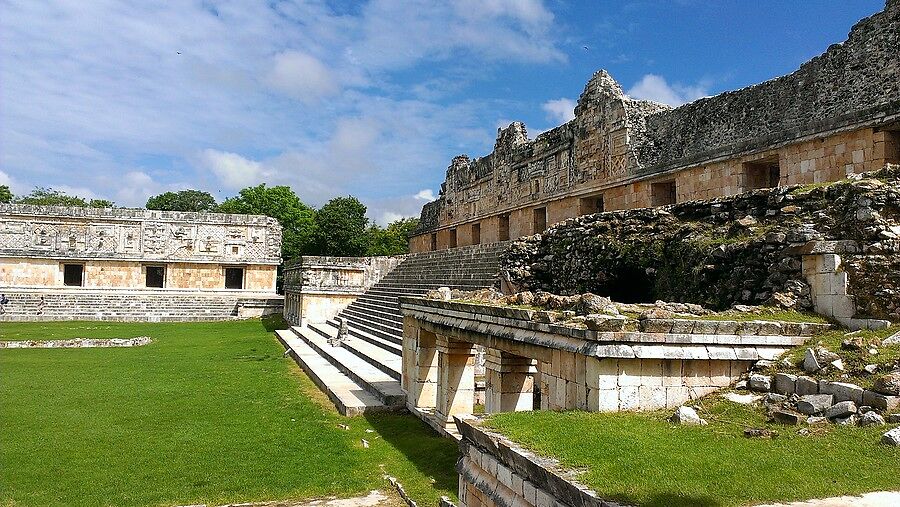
x: 456, y: 379
x: 424, y: 389
x: 509, y: 382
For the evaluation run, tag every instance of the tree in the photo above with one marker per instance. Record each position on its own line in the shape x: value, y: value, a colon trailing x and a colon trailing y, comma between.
x: 281, y: 203
x: 341, y: 227
x: 183, y: 200
x: 5, y: 194
x: 393, y: 239
x: 48, y: 197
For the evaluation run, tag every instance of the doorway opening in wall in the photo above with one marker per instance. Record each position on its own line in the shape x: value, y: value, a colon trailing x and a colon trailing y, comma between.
x: 476, y: 234
x: 73, y: 275
x: 630, y: 285
x: 433, y: 241
x: 503, y: 233
x: 892, y: 146
x: 765, y: 173
x: 155, y: 276
x: 234, y: 278
x: 662, y: 193
x: 540, y: 220
x: 452, y: 240
x: 591, y: 204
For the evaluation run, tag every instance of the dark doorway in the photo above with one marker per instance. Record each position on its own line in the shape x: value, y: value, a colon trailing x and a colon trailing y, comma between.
x: 630, y: 284
x: 73, y: 275
x: 452, y: 240
x: 433, y: 241
x: 764, y: 173
x: 156, y: 277
x: 540, y: 220
x: 662, y: 193
x: 476, y: 234
x: 504, y: 227
x: 234, y: 278
x: 590, y: 205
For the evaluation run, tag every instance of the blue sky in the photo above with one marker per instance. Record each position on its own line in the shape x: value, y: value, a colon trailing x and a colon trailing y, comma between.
x: 123, y: 100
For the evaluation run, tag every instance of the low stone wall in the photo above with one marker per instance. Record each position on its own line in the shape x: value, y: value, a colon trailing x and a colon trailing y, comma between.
x: 746, y: 249
x: 661, y: 363
x: 495, y: 472
x: 318, y: 288
x: 76, y: 343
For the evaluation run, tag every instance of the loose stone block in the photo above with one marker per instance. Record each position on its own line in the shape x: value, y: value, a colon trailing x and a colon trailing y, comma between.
x: 880, y: 401
x: 812, y: 404
x: 785, y: 383
x: 806, y: 385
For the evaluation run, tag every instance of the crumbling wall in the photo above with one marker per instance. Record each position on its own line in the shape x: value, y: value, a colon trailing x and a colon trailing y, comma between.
x: 740, y: 249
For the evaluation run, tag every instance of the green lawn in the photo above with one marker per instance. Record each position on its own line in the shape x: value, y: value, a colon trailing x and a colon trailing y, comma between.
x: 645, y: 460
x: 207, y: 413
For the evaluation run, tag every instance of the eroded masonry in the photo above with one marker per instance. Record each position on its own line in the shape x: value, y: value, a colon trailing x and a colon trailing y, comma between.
x: 58, y: 262
x: 836, y: 115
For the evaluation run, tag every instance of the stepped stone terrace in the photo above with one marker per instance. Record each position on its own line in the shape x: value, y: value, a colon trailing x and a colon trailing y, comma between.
x: 133, y: 264
x: 836, y: 115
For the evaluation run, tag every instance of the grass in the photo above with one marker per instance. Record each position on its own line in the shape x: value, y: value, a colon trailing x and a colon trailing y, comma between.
x: 643, y: 459
x: 208, y: 413
x: 767, y: 313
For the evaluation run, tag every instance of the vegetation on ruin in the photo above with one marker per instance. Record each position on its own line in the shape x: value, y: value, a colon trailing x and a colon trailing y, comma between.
x: 854, y: 358
x: 5, y: 194
x: 208, y: 413
x: 767, y: 313
x: 641, y: 458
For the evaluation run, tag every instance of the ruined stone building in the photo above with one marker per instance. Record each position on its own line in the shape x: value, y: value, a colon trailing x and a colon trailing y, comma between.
x: 838, y: 114
x: 99, y: 263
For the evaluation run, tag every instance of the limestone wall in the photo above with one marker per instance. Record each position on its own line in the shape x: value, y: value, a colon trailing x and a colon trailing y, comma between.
x: 836, y: 115
x: 318, y: 288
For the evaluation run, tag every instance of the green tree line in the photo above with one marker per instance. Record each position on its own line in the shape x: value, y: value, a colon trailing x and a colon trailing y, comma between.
x: 338, y: 228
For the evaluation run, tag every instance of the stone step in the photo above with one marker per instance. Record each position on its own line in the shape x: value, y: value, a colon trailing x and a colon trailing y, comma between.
x: 377, y: 304
x: 375, y: 381
x: 388, y: 319
x: 387, y: 331
x: 388, y: 362
x: 349, y: 398
x: 393, y: 336
x: 392, y: 345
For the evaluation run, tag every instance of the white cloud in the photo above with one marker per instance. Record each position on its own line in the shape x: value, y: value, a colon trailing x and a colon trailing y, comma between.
x: 232, y: 170
x: 656, y: 88
x: 559, y: 110
x: 301, y: 76
x: 425, y: 194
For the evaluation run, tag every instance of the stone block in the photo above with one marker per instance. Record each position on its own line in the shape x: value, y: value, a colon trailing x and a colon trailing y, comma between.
x: 813, y: 404
x: 842, y: 391
x: 673, y: 372
x: 629, y: 372
x: 880, y: 401
x: 806, y: 385
x: 785, y: 383
x: 629, y: 398
x: 677, y: 396
x: 529, y: 492
x: 652, y: 397
x: 651, y: 372
x: 504, y: 475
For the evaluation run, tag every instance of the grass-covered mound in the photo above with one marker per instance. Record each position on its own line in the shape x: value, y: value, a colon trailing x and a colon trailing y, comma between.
x: 207, y: 413
x: 643, y: 459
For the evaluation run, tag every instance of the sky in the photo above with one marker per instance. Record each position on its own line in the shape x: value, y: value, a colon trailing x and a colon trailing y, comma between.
x: 123, y: 100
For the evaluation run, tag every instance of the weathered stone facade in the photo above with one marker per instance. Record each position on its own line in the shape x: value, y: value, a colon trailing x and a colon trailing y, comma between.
x: 830, y: 248
x: 836, y: 115
x: 116, y: 246
x: 132, y: 264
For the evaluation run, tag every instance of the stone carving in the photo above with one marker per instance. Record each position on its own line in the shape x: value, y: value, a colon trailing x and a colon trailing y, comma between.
x: 57, y: 232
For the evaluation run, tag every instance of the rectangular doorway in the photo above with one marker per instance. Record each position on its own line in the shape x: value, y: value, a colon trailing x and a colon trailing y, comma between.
x: 765, y: 173
x: 663, y: 193
x: 540, y: 220
x: 476, y: 234
x: 451, y: 241
x: 591, y: 204
x: 503, y: 233
x: 433, y: 241
x: 155, y: 277
x: 234, y: 278
x: 73, y: 275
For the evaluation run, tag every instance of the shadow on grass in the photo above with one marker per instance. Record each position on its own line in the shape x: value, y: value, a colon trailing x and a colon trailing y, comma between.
x: 433, y: 455
x: 273, y: 322
x: 681, y: 500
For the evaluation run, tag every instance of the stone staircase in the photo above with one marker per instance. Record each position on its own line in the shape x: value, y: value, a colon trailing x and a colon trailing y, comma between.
x: 133, y: 305
x: 363, y: 373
